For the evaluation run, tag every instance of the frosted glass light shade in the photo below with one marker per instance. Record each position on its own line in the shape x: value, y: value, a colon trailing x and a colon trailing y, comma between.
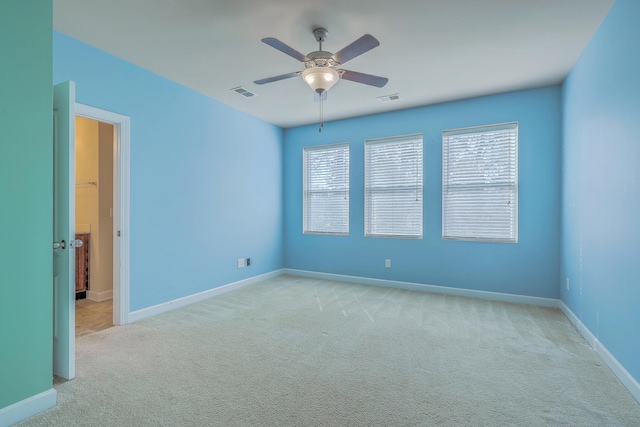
x: 320, y: 79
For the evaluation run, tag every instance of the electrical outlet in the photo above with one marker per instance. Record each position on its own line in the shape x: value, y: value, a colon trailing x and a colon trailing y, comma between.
x: 387, y: 263
x: 248, y: 262
x: 240, y: 262
x: 568, y: 285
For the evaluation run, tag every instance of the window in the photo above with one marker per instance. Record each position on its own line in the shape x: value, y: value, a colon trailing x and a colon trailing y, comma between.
x: 480, y: 183
x: 393, y: 187
x: 325, y: 201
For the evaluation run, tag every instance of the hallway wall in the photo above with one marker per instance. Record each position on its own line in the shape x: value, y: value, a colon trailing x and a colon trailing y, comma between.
x: 94, y: 164
x: 104, y: 288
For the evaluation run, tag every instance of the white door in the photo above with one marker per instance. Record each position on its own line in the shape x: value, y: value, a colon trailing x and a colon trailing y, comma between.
x: 64, y: 313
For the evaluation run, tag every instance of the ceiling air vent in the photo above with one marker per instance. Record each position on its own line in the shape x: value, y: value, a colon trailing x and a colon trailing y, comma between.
x: 243, y: 92
x: 388, y: 98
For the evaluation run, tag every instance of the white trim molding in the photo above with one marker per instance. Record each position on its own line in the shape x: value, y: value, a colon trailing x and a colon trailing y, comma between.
x: 28, y: 407
x: 493, y: 296
x: 134, y: 316
x: 618, y: 370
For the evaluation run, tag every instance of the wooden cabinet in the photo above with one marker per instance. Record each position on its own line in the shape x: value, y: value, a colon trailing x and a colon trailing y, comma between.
x: 82, y: 265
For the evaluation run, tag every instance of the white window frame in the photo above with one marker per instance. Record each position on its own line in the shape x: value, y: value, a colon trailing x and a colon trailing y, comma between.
x: 395, y: 216
x: 340, y: 189
x: 490, y: 219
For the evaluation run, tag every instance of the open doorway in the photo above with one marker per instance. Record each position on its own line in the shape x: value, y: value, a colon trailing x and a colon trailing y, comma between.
x: 65, y: 111
x: 108, y: 288
x: 94, y: 172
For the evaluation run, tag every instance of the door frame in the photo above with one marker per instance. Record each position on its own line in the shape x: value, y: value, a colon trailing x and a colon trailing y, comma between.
x: 121, y: 207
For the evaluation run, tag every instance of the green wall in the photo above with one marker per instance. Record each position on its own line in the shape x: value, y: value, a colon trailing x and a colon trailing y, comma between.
x: 26, y: 69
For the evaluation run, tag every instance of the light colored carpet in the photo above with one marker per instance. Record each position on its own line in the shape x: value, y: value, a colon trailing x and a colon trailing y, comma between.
x: 291, y: 351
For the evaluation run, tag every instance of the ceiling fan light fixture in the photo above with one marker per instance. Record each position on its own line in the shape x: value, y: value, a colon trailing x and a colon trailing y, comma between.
x: 320, y: 79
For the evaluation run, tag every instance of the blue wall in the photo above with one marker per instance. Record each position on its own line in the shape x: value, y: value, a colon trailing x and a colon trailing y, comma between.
x: 530, y: 267
x: 206, y: 179
x: 601, y: 186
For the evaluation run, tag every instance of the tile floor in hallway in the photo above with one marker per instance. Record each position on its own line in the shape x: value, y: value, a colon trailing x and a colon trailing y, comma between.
x: 92, y: 316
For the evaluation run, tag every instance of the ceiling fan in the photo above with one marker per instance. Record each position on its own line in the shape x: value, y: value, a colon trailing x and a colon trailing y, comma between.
x: 321, y: 71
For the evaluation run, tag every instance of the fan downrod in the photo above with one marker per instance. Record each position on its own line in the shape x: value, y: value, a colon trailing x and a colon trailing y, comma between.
x: 320, y: 34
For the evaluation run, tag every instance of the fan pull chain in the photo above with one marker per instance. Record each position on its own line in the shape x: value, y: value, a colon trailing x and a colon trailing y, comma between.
x: 321, y: 115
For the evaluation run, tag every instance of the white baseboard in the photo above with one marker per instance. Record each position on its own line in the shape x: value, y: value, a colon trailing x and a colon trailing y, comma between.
x: 99, y: 296
x: 27, y: 408
x: 181, y: 302
x: 618, y: 370
x: 493, y: 296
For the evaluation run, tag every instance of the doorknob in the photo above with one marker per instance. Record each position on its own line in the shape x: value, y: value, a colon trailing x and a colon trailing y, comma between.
x: 59, y: 245
x: 75, y: 244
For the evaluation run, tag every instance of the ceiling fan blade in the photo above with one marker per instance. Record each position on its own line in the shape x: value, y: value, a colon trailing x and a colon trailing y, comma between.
x: 357, y: 48
x: 367, y: 79
x: 276, y: 78
x: 277, y: 44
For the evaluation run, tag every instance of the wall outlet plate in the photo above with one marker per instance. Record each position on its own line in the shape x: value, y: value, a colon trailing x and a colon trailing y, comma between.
x: 387, y: 263
x: 240, y: 262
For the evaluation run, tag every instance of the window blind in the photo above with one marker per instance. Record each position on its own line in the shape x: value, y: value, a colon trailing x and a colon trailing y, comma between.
x: 326, y: 189
x: 394, y: 187
x: 480, y: 183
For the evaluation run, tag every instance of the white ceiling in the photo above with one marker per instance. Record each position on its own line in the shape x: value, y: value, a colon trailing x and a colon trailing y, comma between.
x: 431, y: 50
